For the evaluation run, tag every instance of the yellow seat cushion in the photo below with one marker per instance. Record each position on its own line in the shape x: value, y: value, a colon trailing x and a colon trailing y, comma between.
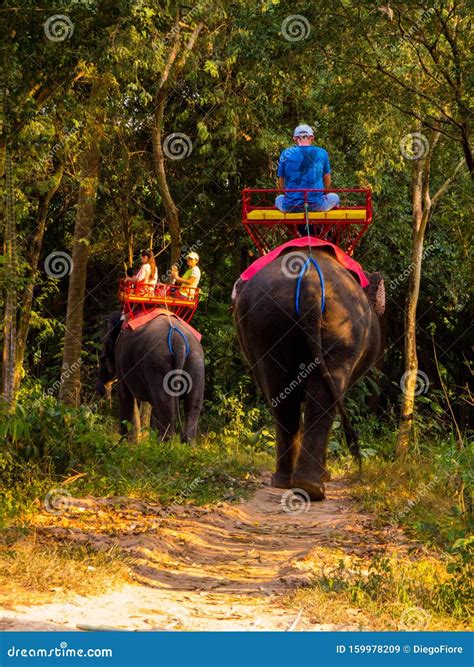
x: 339, y: 214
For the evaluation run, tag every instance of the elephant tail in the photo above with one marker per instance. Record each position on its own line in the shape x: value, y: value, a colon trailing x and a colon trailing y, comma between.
x: 352, y: 436
x: 178, y: 381
x: 178, y: 346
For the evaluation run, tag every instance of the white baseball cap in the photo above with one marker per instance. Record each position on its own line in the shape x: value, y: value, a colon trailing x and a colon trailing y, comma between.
x: 303, y: 129
x: 192, y: 255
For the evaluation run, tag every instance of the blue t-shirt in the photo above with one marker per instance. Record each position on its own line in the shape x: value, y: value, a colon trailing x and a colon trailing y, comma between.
x: 303, y: 167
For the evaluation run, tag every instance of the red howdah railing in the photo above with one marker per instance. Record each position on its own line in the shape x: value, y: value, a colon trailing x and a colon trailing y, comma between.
x: 138, y: 298
x: 343, y: 225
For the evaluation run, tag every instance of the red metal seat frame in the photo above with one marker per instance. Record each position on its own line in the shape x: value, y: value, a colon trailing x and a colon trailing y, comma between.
x: 267, y: 234
x: 138, y: 298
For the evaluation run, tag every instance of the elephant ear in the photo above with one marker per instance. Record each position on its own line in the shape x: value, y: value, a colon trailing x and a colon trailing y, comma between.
x: 375, y: 290
x: 113, y: 330
x: 239, y: 283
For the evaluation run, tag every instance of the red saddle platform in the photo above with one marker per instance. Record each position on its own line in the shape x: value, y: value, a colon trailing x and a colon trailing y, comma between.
x: 343, y: 225
x: 304, y: 242
x: 139, y: 299
x: 144, y: 318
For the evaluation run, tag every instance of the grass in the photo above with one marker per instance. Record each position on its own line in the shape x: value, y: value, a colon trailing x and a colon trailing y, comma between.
x: 212, y: 469
x: 159, y: 472
x: 48, y: 446
x: 387, y: 594
x: 31, y: 572
x: 206, y: 472
x: 427, y: 496
x: 49, y: 450
x: 421, y: 494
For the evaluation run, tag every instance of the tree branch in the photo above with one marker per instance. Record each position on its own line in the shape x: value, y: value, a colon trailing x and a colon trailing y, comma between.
x: 190, y: 45
x: 169, y: 63
x: 447, y: 184
x: 419, y: 118
x: 425, y: 194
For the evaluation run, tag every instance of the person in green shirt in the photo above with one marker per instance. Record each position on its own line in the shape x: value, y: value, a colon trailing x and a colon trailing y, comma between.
x: 190, y: 277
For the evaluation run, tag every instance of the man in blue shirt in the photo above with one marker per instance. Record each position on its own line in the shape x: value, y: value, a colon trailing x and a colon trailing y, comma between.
x: 304, y: 166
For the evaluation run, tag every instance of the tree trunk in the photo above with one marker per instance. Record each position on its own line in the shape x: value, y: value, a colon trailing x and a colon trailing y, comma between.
x: 69, y: 391
x: 9, y: 327
x: 171, y: 210
x: 32, y: 259
x: 174, y: 66
x: 466, y: 147
x: 410, y: 375
x: 422, y: 207
x: 145, y: 419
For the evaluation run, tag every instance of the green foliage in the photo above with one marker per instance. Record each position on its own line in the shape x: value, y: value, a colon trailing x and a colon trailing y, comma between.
x: 457, y: 590
x: 55, y: 436
x: 243, y: 89
x: 173, y: 471
x: 394, y: 584
x: 45, y: 444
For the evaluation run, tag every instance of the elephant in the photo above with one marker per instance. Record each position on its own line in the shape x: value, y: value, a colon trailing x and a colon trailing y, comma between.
x: 307, y: 357
x: 158, y: 362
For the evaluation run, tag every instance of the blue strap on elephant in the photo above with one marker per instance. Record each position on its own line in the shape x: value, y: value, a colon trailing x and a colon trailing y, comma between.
x: 183, y: 336
x: 309, y: 261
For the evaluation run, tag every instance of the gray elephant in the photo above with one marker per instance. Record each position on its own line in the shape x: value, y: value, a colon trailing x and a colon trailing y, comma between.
x: 160, y: 362
x: 300, y: 355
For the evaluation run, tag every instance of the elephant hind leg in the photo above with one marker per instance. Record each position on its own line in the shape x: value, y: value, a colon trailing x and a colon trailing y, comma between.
x: 287, y: 414
x: 320, y: 409
x: 163, y: 416
x: 192, y: 409
x: 127, y: 408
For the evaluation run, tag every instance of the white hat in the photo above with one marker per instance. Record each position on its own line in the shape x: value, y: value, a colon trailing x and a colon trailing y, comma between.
x: 303, y: 129
x: 192, y: 255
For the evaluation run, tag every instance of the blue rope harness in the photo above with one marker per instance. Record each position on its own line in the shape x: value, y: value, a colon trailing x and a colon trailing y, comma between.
x: 309, y: 261
x: 170, y: 340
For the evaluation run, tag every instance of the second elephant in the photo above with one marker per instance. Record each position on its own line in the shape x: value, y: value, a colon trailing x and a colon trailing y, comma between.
x: 161, y: 362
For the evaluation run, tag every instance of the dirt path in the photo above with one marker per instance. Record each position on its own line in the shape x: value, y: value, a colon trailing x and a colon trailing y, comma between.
x: 225, y: 568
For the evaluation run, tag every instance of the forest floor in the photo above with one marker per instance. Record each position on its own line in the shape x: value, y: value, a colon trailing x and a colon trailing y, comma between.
x: 228, y: 566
